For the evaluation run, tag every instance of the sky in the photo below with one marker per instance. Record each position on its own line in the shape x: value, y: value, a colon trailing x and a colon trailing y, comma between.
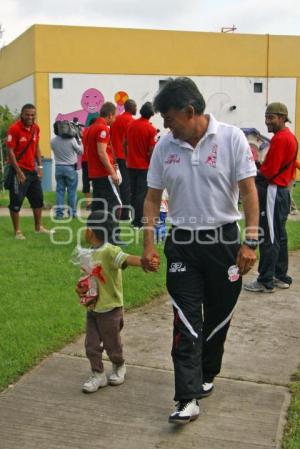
x: 254, y: 16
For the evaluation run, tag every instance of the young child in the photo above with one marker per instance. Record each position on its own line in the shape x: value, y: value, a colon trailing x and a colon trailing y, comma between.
x: 105, y: 317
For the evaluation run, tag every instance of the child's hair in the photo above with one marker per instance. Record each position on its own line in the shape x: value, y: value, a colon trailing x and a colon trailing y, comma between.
x: 102, y: 223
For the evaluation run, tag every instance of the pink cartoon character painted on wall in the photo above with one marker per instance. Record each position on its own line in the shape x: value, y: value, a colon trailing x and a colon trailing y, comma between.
x: 91, y: 101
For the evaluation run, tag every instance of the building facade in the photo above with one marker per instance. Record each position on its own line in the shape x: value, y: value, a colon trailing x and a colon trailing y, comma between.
x: 69, y: 72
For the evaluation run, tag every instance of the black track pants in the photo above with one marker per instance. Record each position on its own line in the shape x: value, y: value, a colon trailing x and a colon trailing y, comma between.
x: 204, y: 286
x: 274, y: 205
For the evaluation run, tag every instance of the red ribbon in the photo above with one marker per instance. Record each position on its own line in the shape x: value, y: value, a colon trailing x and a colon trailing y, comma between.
x: 98, y: 273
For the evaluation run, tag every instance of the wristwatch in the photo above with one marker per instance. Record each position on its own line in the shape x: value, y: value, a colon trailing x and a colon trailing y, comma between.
x: 251, y: 243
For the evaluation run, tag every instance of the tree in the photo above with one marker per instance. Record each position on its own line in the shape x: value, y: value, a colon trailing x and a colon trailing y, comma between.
x: 6, y: 119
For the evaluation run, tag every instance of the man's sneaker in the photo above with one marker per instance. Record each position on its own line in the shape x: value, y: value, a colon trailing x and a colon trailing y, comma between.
x: 186, y: 411
x: 117, y: 375
x: 280, y: 284
x: 96, y: 381
x: 19, y: 235
x: 43, y: 230
x: 256, y: 286
x: 206, y: 390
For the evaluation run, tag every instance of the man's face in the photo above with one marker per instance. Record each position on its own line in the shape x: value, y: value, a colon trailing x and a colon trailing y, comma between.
x: 274, y: 122
x: 180, y: 122
x: 28, y: 117
x: 110, y: 119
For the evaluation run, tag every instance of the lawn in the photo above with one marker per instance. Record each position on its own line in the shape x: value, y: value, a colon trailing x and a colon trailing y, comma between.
x: 39, y: 309
x: 39, y: 312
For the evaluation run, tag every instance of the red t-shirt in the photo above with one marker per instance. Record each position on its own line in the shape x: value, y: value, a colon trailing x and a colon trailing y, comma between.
x: 118, y: 133
x: 98, y: 132
x: 141, y: 138
x: 282, y: 150
x: 17, y: 138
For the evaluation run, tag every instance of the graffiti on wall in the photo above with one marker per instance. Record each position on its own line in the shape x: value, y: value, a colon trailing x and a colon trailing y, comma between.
x: 91, y: 102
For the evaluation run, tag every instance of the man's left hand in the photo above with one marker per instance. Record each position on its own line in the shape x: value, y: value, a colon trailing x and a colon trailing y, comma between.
x: 245, y: 260
x: 40, y: 172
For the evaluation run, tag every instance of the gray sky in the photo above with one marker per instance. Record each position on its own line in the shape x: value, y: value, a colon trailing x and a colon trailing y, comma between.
x: 255, y: 16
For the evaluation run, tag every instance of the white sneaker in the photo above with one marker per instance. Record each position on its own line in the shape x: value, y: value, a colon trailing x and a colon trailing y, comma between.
x: 206, y: 390
x: 256, y: 287
x: 280, y: 284
x: 96, y: 381
x: 186, y: 411
x: 117, y: 376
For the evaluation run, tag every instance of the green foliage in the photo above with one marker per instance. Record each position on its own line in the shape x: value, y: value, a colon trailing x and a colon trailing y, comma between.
x: 291, y: 439
x: 6, y: 119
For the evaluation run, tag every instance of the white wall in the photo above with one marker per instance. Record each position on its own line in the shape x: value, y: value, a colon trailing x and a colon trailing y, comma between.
x: 18, y: 94
x: 219, y: 92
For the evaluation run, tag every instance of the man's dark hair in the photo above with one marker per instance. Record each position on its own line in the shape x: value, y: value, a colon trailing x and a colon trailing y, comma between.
x: 130, y: 106
x: 27, y: 106
x: 147, y: 110
x: 107, y: 108
x: 102, y: 224
x: 179, y: 93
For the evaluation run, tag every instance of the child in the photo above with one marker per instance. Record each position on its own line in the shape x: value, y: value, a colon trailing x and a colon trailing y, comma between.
x: 105, y: 317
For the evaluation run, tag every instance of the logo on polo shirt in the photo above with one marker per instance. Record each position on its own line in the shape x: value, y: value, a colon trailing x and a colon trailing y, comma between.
x: 176, y: 267
x: 23, y: 139
x: 172, y: 159
x: 211, y: 160
x: 103, y: 134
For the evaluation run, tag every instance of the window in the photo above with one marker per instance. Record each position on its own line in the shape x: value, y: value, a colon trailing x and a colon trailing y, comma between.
x: 258, y: 88
x: 57, y: 83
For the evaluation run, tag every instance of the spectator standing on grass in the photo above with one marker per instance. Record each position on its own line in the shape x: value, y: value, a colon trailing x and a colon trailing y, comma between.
x: 24, y: 135
x: 140, y: 141
x: 66, y: 152
x: 118, y: 134
x: 203, y: 164
x: 273, y: 180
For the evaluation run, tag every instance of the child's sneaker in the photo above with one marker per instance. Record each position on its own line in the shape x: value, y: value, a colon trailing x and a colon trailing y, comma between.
x: 96, y: 381
x: 117, y: 375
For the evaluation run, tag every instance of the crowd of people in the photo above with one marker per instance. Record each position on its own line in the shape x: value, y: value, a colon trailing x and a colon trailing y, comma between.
x: 204, y: 165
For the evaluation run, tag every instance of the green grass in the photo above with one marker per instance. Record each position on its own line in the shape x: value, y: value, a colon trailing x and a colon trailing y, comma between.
x: 291, y: 439
x: 39, y: 309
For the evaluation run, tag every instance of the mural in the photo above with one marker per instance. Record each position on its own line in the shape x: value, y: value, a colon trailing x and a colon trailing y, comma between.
x: 91, y: 101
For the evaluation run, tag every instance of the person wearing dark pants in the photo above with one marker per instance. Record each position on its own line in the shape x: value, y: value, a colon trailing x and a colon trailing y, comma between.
x: 118, y: 135
x: 273, y: 180
x: 101, y: 164
x: 140, y: 141
x: 203, y: 164
x: 138, y: 186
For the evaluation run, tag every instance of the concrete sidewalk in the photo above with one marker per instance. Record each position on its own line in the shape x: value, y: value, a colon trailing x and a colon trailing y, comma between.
x: 46, y: 409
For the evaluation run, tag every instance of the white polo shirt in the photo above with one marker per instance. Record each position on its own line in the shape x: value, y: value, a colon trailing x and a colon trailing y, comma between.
x: 202, y: 181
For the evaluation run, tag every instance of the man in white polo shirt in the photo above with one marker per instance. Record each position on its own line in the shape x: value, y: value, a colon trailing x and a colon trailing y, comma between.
x: 203, y: 164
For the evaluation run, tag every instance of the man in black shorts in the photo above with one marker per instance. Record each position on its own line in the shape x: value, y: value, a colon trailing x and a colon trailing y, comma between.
x: 24, y: 135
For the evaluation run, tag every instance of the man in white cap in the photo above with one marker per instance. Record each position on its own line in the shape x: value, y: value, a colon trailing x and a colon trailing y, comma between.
x: 274, y: 177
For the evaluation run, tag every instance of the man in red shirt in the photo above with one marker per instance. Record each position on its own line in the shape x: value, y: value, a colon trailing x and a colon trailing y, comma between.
x: 86, y: 185
x: 118, y: 135
x: 22, y: 134
x: 273, y: 180
x: 101, y: 163
x: 141, y: 139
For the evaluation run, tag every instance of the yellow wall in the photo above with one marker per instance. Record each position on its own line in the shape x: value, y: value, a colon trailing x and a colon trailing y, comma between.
x: 17, y: 60
x: 47, y: 49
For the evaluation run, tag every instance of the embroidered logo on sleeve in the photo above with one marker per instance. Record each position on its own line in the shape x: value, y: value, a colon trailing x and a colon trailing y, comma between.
x: 233, y: 273
x: 103, y: 134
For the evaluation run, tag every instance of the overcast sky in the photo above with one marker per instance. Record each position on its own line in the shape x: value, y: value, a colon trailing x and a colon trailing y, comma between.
x: 254, y: 16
